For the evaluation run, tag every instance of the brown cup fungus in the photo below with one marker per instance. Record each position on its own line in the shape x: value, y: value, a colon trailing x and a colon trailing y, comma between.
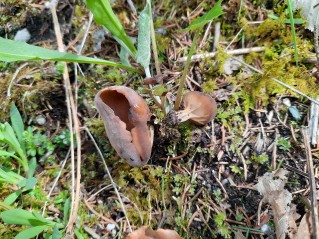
x: 125, y: 115
x: 199, y: 108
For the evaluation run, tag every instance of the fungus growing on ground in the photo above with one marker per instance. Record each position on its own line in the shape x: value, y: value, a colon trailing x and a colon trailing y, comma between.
x: 145, y: 232
x: 199, y: 108
x: 125, y: 115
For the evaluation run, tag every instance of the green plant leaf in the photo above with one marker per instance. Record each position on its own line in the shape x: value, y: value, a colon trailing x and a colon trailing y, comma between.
x: 104, y: 15
x: 12, y: 197
x: 23, y: 217
x: 124, y: 56
x: 30, y: 232
x: 32, y: 167
x: 159, y: 90
x: 144, y: 37
x: 66, y: 210
x: 17, y: 124
x: 215, y: 12
x: 56, y: 233
x: 10, y: 177
x: 78, y: 234
x: 20, y: 51
x: 6, y: 153
x: 8, y: 136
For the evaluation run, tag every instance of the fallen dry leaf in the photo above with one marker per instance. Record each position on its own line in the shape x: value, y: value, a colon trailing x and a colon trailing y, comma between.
x: 305, y: 227
x: 125, y: 115
x: 146, y: 232
x: 271, y: 186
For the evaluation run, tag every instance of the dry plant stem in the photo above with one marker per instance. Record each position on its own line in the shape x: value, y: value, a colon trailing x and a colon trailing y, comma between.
x: 242, y: 51
x: 316, y: 36
x: 313, y: 123
x: 241, y: 156
x: 206, y: 34
x: 216, y: 35
x: 99, y: 215
x: 278, y: 81
x: 231, y: 42
x: 183, y: 78
x: 76, y: 65
x: 56, y: 180
x: 313, y: 198
x: 110, y: 177
x: 14, y: 77
x: 72, y: 111
x: 131, y: 4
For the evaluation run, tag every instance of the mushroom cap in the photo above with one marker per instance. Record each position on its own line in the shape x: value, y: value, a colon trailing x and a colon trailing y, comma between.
x: 125, y: 115
x: 201, y: 107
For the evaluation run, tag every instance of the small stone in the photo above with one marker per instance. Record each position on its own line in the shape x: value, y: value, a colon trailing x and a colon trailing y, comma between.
x: 287, y: 102
x: 40, y: 119
x: 50, y: 4
x: 110, y: 227
x: 22, y: 35
x: 113, y: 232
x: 267, y: 229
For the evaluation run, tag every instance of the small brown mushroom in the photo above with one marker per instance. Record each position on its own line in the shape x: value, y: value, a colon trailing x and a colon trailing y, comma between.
x: 125, y: 115
x: 199, y: 108
x: 145, y: 232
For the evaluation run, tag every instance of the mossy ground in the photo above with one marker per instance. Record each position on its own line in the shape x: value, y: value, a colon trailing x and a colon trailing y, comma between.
x: 207, y: 191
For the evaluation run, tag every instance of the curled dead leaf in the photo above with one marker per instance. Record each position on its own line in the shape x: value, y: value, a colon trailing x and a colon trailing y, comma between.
x: 125, y: 115
x: 272, y: 186
x: 146, y: 232
x: 199, y: 108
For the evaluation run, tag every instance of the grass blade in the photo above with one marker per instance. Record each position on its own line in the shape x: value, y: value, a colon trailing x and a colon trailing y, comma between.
x: 104, y: 15
x: 20, y: 51
x: 23, y: 217
x: 293, y: 31
x: 30, y: 232
x: 215, y: 12
x: 17, y: 124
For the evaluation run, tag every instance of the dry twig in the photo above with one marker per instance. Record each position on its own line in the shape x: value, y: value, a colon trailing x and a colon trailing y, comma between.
x: 73, y: 122
x: 313, y: 198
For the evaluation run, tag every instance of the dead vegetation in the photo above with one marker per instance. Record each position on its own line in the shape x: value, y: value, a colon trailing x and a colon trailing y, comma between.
x: 248, y: 172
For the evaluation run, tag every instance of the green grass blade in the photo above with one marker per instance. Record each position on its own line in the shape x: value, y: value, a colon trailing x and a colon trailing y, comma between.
x: 23, y: 217
x: 20, y: 51
x: 293, y: 31
x: 17, y: 124
x: 104, y: 15
x: 215, y: 12
x: 30, y: 232
x: 144, y: 37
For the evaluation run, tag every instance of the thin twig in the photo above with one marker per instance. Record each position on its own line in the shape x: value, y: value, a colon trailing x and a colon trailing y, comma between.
x: 242, y: 51
x: 110, y: 176
x: 56, y: 179
x: 313, y: 194
x: 73, y: 119
x: 14, y: 77
x: 108, y: 220
x: 206, y: 34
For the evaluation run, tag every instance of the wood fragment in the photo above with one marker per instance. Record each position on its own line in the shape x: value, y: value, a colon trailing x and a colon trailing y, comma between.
x: 242, y: 51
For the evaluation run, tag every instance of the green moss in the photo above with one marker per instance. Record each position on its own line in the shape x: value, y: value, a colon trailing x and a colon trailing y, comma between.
x: 209, y: 86
x: 221, y: 58
x: 162, y: 43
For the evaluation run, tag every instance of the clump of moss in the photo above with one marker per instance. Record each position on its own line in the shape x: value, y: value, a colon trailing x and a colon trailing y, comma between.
x: 209, y: 86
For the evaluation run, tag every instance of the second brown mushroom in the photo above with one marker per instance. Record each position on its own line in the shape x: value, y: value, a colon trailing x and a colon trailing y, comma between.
x: 199, y: 108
